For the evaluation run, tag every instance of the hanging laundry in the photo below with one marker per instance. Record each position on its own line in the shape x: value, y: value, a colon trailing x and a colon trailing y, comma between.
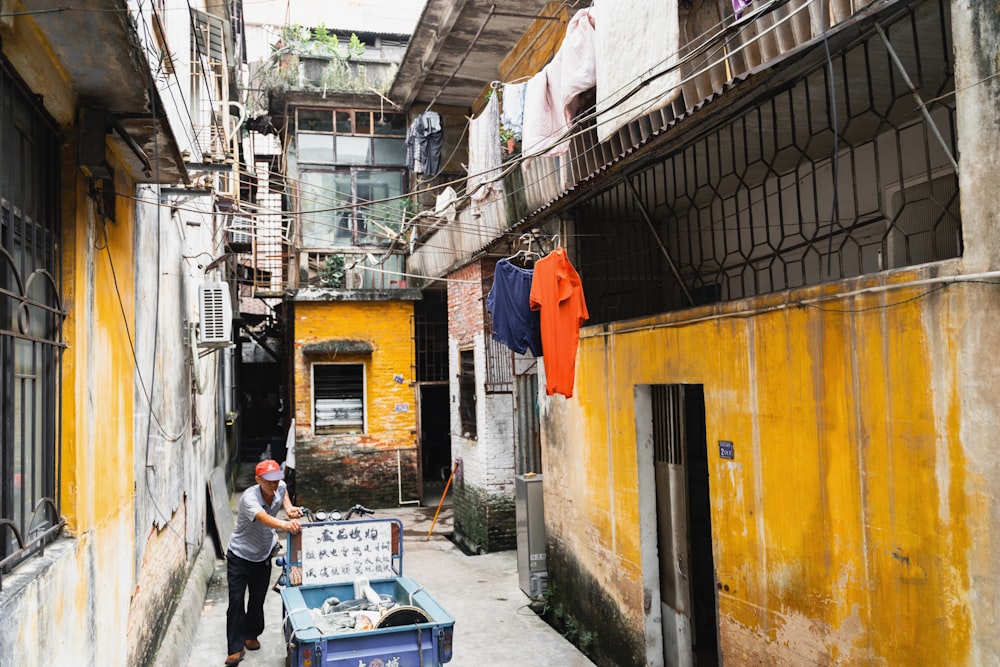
x: 552, y: 95
x: 557, y: 293
x: 423, y: 143
x: 512, y: 115
x: 484, y: 152
x: 414, y: 162
x: 430, y: 142
x: 542, y: 124
x: 445, y: 204
x: 515, y: 324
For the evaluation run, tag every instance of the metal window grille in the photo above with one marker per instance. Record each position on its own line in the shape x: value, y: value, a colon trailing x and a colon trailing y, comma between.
x: 430, y: 326
x: 209, y: 81
x: 499, y: 358
x: 467, y: 393
x: 499, y: 378
x: 777, y: 196
x: 527, y: 426
x: 31, y: 317
x: 339, y: 398
x: 667, y: 424
x: 269, y: 261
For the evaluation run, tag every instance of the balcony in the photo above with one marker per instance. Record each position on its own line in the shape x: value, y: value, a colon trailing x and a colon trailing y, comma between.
x: 351, y: 269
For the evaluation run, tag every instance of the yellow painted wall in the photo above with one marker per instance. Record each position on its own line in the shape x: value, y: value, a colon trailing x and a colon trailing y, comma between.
x: 98, y: 366
x: 387, y: 326
x: 841, y: 529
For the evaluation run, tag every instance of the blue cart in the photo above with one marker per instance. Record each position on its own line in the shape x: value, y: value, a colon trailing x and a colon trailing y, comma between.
x: 346, y: 603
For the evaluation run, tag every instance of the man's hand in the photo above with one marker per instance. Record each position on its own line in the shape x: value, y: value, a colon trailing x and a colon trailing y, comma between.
x: 293, y: 527
x: 295, y: 513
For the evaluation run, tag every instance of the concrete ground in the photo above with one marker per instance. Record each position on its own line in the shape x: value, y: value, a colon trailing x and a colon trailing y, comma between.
x: 493, y: 623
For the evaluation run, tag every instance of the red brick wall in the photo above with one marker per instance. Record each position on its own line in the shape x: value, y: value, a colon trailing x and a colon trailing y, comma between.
x: 465, y: 304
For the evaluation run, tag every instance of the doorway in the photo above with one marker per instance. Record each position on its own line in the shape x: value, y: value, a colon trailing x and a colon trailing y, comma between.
x: 678, y: 564
x: 435, y: 437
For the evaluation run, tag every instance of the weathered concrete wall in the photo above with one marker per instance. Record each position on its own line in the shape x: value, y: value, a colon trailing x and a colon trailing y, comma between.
x: 179, y: 421
x: 845, y: 528
x: 336, y: 471
x: 483, y: 498
x: 976, y: 35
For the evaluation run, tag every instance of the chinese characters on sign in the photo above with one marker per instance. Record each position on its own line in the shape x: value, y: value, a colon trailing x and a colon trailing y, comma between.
x: 334, y: 553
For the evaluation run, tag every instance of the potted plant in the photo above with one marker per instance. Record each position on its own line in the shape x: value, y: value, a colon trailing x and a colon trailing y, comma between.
x: 509, y: 140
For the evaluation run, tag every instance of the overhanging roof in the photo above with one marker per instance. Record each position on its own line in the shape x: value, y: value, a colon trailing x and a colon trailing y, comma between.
x: 457, y: 48
x: 96, y: 44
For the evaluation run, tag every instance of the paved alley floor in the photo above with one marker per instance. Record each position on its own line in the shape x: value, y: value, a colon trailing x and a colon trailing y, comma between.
x: 493, y: 623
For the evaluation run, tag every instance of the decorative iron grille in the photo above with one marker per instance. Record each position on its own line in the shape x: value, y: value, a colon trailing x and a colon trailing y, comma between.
x: 834, y: 175
x: 31, y: 317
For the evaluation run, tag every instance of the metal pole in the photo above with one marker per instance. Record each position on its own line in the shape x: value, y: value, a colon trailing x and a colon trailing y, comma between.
x: 649, y: 221
x: 441, y: 502
x: 916, y: 96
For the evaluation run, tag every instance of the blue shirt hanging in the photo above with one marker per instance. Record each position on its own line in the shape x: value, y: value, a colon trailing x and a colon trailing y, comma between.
x: 514, y: 323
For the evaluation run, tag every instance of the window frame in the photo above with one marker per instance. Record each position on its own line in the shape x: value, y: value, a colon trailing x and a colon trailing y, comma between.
x: 331, y: 129
x: 31, y: 320
x: 352, y: 212
x: 314, y: 398
x: 467, y: 395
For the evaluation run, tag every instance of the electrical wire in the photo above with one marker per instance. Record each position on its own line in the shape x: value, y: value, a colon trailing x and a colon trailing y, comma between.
x: 316, y: 203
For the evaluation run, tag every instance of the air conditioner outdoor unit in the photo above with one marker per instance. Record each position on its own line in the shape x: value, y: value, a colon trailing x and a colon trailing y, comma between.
x: 216, y: 315
x: 241, y: 233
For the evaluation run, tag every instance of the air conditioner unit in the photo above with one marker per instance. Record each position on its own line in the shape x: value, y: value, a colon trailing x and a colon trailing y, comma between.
x: 216, y: 315
x: 241, y: 234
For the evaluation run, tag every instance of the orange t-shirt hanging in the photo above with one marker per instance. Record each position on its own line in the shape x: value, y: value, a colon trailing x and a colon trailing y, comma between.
x: 557, y: 293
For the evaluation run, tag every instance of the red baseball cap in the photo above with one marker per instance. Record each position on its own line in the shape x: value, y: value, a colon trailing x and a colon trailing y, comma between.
x: 270, y: 470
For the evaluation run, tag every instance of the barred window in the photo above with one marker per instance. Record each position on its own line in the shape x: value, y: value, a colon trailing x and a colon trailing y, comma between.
x: 467, y: 394
x: 31, y: 317
x: 338, y: 398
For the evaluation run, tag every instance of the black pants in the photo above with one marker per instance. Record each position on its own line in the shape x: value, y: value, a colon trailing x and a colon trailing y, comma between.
x: 245, y: 619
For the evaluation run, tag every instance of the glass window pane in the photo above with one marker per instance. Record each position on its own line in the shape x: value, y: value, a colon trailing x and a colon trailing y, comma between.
x: 362, y: 122
x: 325, y: 223
x: 392, y: 124
x: 315, y: 147
x: 315, y: 120
x: 390, y: 151
x: 354, y: 150
x: 380, y: 222
x: 344, y: 122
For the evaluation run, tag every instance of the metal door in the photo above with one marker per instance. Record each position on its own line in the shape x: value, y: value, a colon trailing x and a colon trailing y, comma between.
x: 672, y: 523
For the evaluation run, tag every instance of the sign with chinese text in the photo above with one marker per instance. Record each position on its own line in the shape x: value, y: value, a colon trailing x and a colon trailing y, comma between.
x: 335, y: 553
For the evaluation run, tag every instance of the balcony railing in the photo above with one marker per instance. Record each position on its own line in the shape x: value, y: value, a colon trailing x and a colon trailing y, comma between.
x: 350, y: 269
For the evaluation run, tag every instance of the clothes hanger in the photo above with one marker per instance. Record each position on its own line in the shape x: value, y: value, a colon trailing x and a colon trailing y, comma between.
x: 525, y: 254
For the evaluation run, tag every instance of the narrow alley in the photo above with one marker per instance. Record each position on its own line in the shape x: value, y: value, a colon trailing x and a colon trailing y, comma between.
x: 493, y: 623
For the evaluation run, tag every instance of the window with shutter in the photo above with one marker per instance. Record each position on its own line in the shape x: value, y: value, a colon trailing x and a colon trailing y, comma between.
x: 338, y: 398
